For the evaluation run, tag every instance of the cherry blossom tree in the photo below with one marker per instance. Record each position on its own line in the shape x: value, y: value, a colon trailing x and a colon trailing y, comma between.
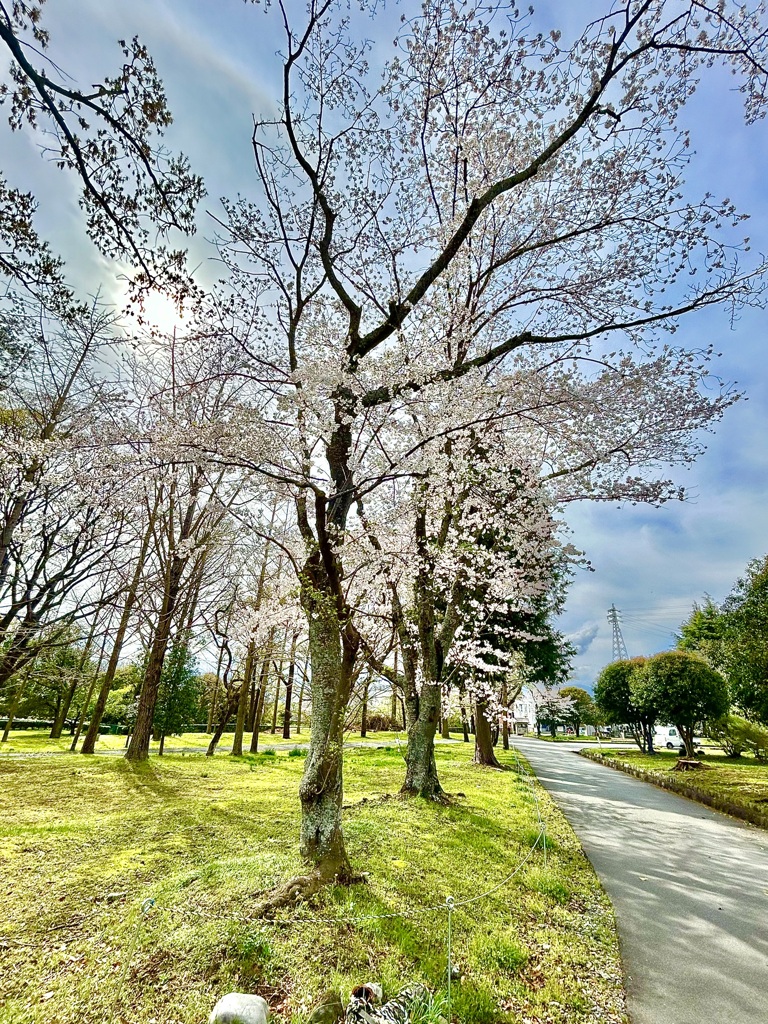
x: 498, y: 205
x: 469, y: 543
x: 62, y: 531
x: 490, y: 209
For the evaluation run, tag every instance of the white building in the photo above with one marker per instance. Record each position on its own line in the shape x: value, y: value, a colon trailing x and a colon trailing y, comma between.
x: 524, y: 712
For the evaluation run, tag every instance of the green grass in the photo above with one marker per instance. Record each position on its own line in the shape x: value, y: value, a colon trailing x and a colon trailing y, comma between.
x: 737, y: 786
x: 37, y: 741
x: 85, y: 843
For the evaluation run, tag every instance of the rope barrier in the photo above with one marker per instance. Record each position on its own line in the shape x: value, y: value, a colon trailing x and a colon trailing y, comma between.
x: 409, y: 914
x: 449, y: 906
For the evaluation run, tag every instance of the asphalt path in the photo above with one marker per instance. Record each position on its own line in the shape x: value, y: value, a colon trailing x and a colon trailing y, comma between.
x: 689, y: 887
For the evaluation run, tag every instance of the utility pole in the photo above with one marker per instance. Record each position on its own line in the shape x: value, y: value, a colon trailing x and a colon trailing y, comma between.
x: 619, y: 647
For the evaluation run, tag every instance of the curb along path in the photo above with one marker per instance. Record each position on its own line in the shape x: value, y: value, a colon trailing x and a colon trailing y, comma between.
x: 689, y: 887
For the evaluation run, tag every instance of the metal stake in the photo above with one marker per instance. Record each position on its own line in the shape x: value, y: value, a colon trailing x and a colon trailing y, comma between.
x: 449, y: 904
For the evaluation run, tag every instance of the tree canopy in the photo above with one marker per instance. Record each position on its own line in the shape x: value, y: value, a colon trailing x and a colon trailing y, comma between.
x: 745, y: 640
x: 682, y: 689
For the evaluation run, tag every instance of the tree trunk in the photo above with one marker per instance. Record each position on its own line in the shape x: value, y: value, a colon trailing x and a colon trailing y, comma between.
x: 421, y: 771
x: 162, y: 744
x: 261, y: 695
x: 63, y: 707
x: 242, y: 704
x: 505, y: 716
x: 61, y: 717
x: 257, y: 690
x: 138, y: 748
x: 321, y: 790
x: 484, y: 753
x: 228, y: 709
x: 276, y: 705
x: 289, y: 691
x: 215, y: 694
x: 89, y: 743
x: 301, y: 699
x: 84, y: 710
x: 92, y: 734
x: 217, y: 734
x: 14, y: 708
x: 686, y: 735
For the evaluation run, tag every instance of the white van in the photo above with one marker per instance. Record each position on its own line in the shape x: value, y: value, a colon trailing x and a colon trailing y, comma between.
x: 669, y: 737
x: 666, y: 736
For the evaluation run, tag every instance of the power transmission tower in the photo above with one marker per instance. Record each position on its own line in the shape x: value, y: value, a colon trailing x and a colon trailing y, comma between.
x: 619, y: 647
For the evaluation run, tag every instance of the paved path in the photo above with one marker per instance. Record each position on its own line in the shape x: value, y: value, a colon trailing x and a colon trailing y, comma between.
x: 689, y: 886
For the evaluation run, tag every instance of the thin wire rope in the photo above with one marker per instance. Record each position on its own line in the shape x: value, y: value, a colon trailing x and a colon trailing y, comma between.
x: 524, y: 775
x: 405, y: 914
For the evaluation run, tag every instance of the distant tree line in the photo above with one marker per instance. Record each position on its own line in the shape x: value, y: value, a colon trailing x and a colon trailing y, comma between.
x: 717, y: 676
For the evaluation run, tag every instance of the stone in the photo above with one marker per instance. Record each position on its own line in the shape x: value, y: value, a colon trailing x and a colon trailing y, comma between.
x: 328, y: 1008
x: 240, y: 1008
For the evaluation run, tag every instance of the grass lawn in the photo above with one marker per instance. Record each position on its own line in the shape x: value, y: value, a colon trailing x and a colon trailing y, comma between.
x: 739, y: 787
x: 37, y: 741
x: 84, y: 842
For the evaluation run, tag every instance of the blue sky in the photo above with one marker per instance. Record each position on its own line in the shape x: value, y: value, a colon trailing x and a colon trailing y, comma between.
x: 217, y: 62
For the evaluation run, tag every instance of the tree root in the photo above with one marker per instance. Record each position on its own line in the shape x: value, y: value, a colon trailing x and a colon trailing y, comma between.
x: 372, y: 800
x: 436, y: 796
x: 303, y: 887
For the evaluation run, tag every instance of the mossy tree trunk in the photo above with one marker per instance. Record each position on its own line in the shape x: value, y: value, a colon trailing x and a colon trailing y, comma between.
x: 332, y: 658
x: 435, y: 639
x: 421, y: 777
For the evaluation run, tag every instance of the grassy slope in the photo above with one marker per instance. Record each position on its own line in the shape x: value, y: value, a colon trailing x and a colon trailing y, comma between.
x: 83, y: 841
x: 739, y: 787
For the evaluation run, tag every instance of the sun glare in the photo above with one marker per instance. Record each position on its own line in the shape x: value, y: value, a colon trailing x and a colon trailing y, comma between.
x: 162, y: 313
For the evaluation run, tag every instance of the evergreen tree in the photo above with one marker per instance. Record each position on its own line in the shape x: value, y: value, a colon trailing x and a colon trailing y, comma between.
x: 178, y: 701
